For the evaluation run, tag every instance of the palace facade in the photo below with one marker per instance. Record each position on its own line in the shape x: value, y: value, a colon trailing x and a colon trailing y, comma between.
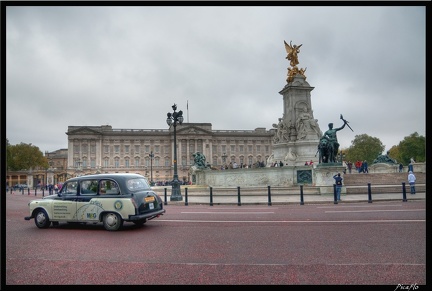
x: 150, y: 152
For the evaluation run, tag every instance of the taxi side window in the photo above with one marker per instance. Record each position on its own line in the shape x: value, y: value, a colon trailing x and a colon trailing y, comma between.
x: 70, y: 188
x: 89, y: 187
x: 109, y: 187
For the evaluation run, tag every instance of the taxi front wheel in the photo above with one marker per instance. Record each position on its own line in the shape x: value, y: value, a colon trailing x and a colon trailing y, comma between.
x: 112, y: 221
x: 41, y: 219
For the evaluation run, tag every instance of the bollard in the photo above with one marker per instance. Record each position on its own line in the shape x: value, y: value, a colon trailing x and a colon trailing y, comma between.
x: 369, y: 193
x: 186, y: 197
x: 334, y: 194
x: 301, y: 195
x: 211, y: 196
x: 238, y: 196
x: 269, y: 196
x: 404, y: 192
x: 165, y: 196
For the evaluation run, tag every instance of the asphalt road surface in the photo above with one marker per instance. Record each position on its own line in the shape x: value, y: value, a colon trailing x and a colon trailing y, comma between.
x: 383, y: 243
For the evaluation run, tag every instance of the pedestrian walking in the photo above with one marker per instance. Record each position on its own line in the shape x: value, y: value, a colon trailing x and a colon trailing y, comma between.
x: 411, y: 181
x: 400, y: 167
x: 410, y: 168
x: 349, y: 165
x: 365, y: 167
x: 338, y: 181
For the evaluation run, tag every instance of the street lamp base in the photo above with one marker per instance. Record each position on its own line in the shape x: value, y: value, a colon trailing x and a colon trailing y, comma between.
x: 176, y: 193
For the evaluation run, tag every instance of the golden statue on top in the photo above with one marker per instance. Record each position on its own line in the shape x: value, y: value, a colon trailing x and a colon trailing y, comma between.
x: 292, y: 51
x: 292, y: 56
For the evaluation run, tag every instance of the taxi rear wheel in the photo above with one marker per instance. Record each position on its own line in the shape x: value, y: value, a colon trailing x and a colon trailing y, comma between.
x: 112, y: 221
x: 41, y: 219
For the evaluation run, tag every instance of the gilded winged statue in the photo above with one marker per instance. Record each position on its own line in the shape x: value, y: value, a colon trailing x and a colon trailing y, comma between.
x: 292, y: 52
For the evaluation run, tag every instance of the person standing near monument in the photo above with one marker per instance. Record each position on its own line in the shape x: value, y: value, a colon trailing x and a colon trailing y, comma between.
x: 411, y: 181
x: 338, y: 181
x: 349, y: 165
x: 365, y: 167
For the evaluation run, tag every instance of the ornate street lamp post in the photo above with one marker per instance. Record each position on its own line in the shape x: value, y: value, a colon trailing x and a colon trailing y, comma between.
x: 173, y: 119
x: 151, y: 155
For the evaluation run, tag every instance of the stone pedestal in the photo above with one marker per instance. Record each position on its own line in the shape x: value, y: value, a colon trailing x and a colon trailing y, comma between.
x: 297, y: 133
x: 383, y: 168
x: 323, y: 176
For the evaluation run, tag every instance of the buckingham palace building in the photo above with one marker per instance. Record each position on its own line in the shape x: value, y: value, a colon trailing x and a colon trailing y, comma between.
x: 150, y: 152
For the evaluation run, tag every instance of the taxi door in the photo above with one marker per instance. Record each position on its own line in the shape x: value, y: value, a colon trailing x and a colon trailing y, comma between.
x: 65, y: 209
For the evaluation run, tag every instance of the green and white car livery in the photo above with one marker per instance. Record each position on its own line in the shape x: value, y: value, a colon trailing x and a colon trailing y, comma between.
x: 107, y: 198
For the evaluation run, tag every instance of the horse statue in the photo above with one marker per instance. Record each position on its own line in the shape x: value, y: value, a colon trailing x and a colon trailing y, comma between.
x: 325, y: 151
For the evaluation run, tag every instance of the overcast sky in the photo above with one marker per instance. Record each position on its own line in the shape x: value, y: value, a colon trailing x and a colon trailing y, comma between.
x: 126, y: 67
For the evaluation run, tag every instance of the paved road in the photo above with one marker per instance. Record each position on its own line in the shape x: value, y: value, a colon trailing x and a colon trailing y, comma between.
x: 357, y: 243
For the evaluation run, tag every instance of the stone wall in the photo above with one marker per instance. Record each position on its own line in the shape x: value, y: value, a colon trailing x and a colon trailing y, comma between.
x: 320, y: 177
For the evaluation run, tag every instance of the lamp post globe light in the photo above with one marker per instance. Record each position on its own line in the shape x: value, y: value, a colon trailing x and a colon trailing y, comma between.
x: 151, y: 155
x: 173, y: 119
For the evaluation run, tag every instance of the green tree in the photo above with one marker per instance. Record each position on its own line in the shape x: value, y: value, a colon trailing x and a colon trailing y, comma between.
x: 394, y: 153
x: 412, y: 146
x: 364, y: 147
x: 24, y: 157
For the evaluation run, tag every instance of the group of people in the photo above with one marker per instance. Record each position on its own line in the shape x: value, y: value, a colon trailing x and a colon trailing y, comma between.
x: 278, y: 164
x: 361, y: 167
x: 234, y: 165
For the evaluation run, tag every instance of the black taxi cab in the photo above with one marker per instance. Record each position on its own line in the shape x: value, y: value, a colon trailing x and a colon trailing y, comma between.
x: 110, y: 199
